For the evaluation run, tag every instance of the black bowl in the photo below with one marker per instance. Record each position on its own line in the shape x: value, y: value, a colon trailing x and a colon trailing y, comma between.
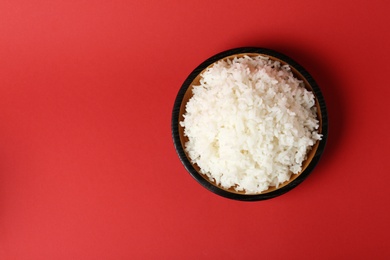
x: 185, y: 94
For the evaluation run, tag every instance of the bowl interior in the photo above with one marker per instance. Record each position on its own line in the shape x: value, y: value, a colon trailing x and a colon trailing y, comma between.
x: 310, y: 155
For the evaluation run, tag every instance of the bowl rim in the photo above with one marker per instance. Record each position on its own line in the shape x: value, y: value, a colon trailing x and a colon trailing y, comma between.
x: 180, y: 149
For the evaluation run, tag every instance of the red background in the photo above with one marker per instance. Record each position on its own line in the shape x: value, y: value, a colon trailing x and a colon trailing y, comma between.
x: 87, y: 164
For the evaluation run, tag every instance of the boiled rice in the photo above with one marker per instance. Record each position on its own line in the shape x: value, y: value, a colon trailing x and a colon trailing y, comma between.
x: 250, y: 123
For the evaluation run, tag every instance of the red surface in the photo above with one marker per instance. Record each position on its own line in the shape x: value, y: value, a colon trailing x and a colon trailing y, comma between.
x: 87, y: 165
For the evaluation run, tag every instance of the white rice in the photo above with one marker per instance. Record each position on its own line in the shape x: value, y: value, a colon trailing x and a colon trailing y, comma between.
x: 250, y: 124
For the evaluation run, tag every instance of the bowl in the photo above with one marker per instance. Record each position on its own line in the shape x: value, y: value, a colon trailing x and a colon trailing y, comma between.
x: 185, y: 94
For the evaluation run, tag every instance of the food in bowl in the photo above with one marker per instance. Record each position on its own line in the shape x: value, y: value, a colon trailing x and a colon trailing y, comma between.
x: 249, y: 123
